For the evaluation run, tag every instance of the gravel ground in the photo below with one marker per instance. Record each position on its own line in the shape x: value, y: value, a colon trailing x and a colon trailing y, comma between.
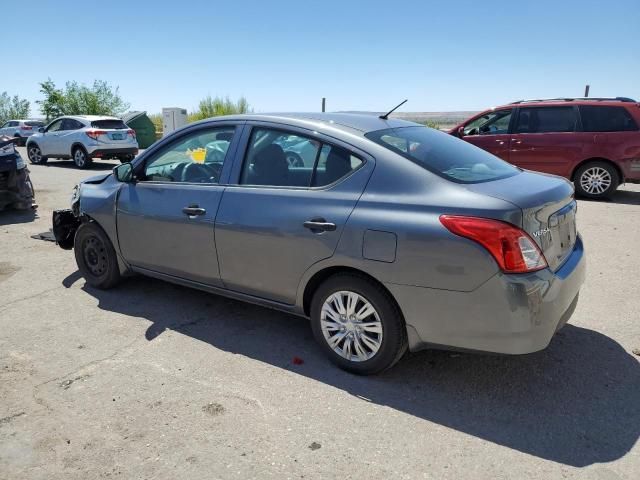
x: 152, y: 380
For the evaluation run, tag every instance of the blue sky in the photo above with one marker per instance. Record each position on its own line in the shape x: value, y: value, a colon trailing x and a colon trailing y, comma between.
x: 361, y: 55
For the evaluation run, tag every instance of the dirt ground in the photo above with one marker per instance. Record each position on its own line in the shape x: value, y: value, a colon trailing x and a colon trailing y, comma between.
x: 152, y: 380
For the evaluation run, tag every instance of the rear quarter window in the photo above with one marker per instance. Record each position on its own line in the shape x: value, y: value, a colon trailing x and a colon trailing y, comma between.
x: 606, y: 119
x: 109, y: 124
x: 443, y: 154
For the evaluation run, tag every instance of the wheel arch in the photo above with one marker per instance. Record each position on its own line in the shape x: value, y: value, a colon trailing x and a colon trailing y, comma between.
x: 75, y: 145
x: 598, y: 159
x: 320, y: 276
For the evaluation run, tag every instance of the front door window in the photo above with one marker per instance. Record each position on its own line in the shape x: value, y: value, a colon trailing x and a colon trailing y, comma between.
x: 492, y: 123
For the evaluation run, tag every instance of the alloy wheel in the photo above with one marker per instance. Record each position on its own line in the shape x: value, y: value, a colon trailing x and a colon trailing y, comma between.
x: 351, y: 326
x: 595, y: 180
x: 79, y: 158
x: 34, y: 154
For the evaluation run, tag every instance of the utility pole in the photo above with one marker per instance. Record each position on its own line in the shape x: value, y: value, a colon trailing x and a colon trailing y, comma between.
x: 323, y: 104
x: 586, y: 91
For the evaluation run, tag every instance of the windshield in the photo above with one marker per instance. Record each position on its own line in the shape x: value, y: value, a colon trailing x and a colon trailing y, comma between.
x: 443, y: 154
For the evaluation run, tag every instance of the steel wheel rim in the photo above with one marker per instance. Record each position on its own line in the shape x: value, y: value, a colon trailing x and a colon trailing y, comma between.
x: 79, y: 158
x: 595, y: 180
x: 351, y: 326
x: 94, y: 253
x: 35, y: 155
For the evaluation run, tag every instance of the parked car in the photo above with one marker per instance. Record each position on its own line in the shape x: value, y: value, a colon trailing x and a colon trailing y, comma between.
x: 21, y: 129
x: 594, y: 142
x: 399, y: 236
x: 16, y: 189
x: 83, y: 138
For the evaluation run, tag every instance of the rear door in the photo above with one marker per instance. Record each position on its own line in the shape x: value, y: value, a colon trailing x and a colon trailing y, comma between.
x: 279, y: 219
x: 544, y: 139
x: 490, y: 132
x: 166, y: 220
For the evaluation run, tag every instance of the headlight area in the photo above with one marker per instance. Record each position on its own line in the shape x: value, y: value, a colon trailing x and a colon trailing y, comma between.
x: 20, y: 163
x: 75, y: 200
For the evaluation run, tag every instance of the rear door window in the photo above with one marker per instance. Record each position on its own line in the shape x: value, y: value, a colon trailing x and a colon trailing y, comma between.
x: 546, y: 120
x: 109, y: 124
x: 606, y: 119
x: 286, y: 159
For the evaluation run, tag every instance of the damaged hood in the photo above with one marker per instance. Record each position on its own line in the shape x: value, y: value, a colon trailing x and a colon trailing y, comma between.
x: 96, y: 179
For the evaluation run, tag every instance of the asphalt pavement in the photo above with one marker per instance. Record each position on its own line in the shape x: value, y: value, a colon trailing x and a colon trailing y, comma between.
x: 152, y: 380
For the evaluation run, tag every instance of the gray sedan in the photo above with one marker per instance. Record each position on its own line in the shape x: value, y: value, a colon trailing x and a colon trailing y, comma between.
x: 397, y: 237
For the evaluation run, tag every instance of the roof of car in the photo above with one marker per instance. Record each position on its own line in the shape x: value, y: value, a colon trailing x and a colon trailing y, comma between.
x: 90, y: 118
x: 614, y: 101
x: 362, y: 123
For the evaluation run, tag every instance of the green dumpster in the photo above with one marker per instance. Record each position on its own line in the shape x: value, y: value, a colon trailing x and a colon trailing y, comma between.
x: 143, y: 126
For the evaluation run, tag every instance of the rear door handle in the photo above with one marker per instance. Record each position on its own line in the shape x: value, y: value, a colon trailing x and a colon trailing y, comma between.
x: 193, y: 210
x: 317, y: 225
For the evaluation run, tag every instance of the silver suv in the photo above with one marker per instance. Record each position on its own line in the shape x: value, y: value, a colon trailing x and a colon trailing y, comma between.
x: 83, y: 138
x: 20, y: 129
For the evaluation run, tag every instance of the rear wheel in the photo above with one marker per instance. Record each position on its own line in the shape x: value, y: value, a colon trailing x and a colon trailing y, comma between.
x: 596, y: 180
x: 357, y: 324
x: 35, y: 154
x: 81, y: 158
x: 96, y: 257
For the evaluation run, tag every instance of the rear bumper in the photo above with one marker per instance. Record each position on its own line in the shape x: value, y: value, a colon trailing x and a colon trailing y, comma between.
x: 510, y: 314
x: 111, y: 152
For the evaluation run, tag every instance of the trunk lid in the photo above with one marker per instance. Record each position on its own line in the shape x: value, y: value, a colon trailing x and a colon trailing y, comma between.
x: 548, y: 210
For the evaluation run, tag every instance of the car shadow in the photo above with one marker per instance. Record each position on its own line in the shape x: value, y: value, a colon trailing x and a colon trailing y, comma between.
x: 621, y: 196
x: 575, y: 403
x: 13, y: 217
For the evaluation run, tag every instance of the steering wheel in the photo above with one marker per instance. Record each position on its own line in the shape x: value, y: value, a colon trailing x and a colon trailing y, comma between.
x: 200, y: 173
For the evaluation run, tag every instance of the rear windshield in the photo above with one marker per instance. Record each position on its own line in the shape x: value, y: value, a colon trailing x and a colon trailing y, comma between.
x: 443, y: 154
x: 34, y: 124
x: 109, y: 124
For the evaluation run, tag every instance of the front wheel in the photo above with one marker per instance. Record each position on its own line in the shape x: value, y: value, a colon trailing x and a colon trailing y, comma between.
x: 596, y: 180
x: 81, y: 158
x: 96, y: 257
x: 35, y: 154
x: 357, y: 324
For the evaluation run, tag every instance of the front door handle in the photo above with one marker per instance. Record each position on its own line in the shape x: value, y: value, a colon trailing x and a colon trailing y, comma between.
x: 317, y: 225
x: 193, y: 210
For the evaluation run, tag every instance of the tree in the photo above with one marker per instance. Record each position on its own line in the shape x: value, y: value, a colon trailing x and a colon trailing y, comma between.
x: 13, y: 107
x: 78, y: 99
x: 214, y: 107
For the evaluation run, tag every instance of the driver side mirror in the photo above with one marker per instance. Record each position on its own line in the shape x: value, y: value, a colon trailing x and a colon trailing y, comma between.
x: 124, y: 173
x: 41, y: 130
x: 461, y: 132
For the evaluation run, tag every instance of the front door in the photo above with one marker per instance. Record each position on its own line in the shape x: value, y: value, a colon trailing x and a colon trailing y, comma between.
x: 166, y: 219
x: 49, y: 143
x: 281, y: 218
x: 490, y: 132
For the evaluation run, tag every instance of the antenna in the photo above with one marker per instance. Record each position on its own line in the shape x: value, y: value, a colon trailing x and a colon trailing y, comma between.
x: 386, y: 115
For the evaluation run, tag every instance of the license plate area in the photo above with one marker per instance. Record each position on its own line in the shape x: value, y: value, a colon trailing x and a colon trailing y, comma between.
x: 562, y: 225
x: 117, y: 136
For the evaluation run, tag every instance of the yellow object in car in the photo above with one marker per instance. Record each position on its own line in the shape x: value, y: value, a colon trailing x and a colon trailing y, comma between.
x: 197, y: 155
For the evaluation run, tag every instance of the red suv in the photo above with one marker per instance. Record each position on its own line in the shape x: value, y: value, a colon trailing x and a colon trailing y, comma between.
x: 595, y: 142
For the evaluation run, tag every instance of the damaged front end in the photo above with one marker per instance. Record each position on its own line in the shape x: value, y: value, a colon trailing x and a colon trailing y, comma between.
x: 16, y: 189
x: 65, y: 224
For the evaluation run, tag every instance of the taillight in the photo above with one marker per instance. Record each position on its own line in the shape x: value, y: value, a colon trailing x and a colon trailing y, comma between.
x: 26, y: 127
x: 132, y: 133
x: 95, y: 133
x: 512, y: 248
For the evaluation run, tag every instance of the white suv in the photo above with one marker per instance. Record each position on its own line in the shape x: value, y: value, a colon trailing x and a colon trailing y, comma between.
x: 83, y: 138
x: 20, y: 129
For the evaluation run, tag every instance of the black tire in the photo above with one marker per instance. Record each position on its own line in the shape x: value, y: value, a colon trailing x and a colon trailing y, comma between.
x: 394, y: 335
x: 592, y: 177
x: 96, y: 257
x: 81, y: 158
x: 35, y: 154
